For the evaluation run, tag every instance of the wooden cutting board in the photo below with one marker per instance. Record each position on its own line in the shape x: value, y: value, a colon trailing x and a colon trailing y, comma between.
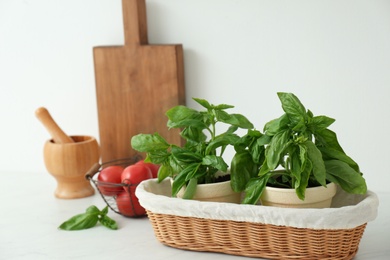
x: 135, y: 85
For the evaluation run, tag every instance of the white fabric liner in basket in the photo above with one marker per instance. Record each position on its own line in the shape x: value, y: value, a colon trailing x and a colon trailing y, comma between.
x: 347, y: 210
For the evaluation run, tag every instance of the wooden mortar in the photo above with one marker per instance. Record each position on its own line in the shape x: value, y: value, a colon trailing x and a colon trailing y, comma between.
x: 68, y: 158
x: 68, y: 163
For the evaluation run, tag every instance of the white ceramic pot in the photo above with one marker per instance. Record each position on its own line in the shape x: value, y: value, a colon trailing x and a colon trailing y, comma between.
x: 316, y: 197
x: 216, y: 192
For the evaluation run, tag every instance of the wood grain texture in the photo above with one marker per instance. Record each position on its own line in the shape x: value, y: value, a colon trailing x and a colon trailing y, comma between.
x: 135, y: 85
x: 69, y: 162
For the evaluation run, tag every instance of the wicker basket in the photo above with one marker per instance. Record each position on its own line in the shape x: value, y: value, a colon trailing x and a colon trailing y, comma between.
x: 250, y: 239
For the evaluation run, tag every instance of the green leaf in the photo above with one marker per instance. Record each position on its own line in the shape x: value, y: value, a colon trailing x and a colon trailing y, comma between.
x: 216, y: 162
x: 182, y: 116
x: 318, y: 123
x: 327, y: 138
x: 89, y: 219
x: 179, y: 181
x: 164, y: 171
x: 347, y: 178
x: 298, y: 162
x: 247, y: 140
x: 185, y: 156
x: 315, y: 156
x: 242, y: 169
x: 149, y: 143
x: 204, y: 103
x: 330, y: 153
x: 194, y: 134
x: 305, y: 176
x: 190, y: 189
x: 80, y: 221
x: 255, y: 188
x: 222, y: 107
x: 277, y: 147
x: 179, y: 113
x: 104, y: 211
x: 108, y: 222
x: 264, y: 169
x: 157, y: 157
x: 220, y: 141
x: 276, y: 125
x: 258, y: 151
x: 93, y: 210
x: 233, y: 119
x: 176, y: 165
x: 294, y: 109
x: 194, y: 171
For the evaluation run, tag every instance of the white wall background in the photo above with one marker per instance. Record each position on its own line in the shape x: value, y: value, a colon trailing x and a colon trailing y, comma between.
x: 334, y: 55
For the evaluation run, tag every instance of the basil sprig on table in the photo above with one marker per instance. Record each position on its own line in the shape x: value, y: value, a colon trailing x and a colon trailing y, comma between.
x: 89, y: 219
x: 299, y: 143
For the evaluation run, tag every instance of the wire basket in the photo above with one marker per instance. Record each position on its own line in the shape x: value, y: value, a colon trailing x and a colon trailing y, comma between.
x: 131, y: 210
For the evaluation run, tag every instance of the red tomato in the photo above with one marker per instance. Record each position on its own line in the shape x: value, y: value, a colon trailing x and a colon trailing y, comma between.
x: 108, y: 176
x: 153, y: 167
x: 129, y: 207
x: 136, y: 173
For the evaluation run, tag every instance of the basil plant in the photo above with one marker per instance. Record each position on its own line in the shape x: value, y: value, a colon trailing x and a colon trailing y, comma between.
x: 201, y: 157
x: 296, y: 150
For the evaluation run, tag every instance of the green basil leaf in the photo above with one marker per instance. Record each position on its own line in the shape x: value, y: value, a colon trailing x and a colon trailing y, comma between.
x: 247, y: 140
x: 185, y: 156
x: 263, y: 140
x: 302, y: 156
x: 231, y: 129
x: 194, y: 134
x: 220, y: 141
x: 297, y: 165
x: 347, y: 178
x: 190, y: 189
x: 327, y: 138
x: 330, y: 153
x: 182, y: 116
x: 179, y: 113
x: 193, y: 171
x: 258, y: 152
x: 294, y: 109
x: 216, y: 162
x: 255, y: 188
x: 176, y: 166
x: 264, y: 169
x: 242, y: 169
x: 318, y: 123
x: 157, y: 157
x: 277, y: 148
x: 149, y: 142
x: 276, y: 125
x: 163, y: 172
x: 179, y: 181
x: 204, y: 103
x: 92, y: 210
x: 315, y: 156
x: 222, y: 107
x: 108, y: 222
x: 305, y: 176
x: 196, y: 122
x: 233, y: 119
x: 80, y: 221
x: 104, y: 211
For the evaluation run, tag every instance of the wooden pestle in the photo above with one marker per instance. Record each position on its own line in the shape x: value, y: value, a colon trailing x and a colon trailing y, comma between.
x: 55, y: 131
